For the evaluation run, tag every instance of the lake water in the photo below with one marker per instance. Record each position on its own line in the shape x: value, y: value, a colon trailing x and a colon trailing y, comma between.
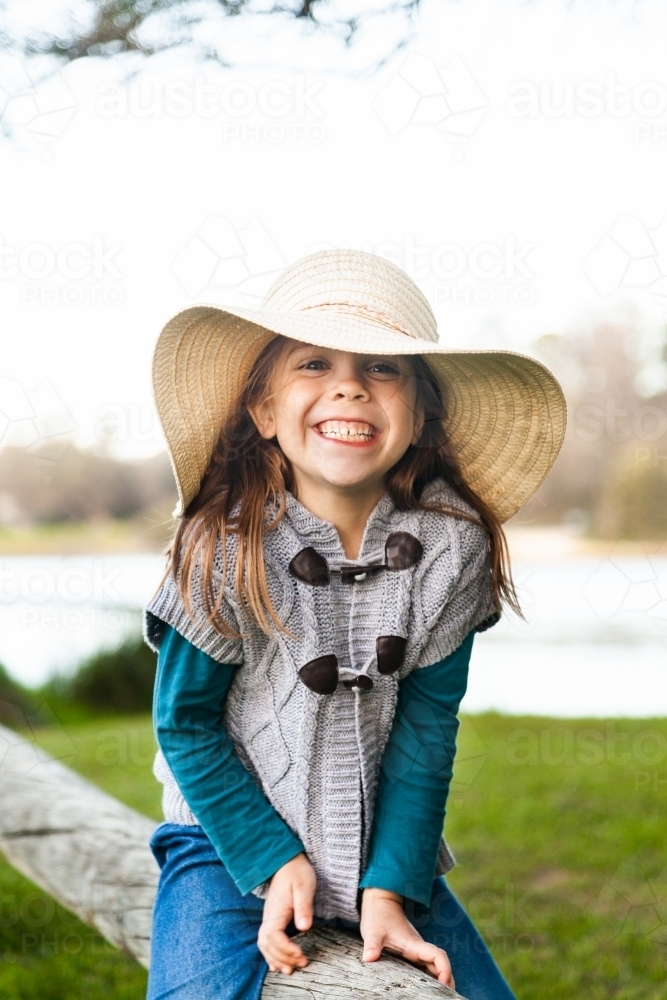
x: 594, y: 642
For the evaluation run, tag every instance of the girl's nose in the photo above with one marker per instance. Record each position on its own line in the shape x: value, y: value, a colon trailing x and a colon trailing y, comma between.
x: 349, y: 388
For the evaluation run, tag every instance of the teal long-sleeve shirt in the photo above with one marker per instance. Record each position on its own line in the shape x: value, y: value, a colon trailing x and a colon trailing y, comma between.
x: 249, y: 836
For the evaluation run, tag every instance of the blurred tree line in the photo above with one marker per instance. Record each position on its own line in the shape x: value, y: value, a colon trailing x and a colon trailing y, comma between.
x: 110, y: 682
x: 81, y: 485
x: 110, y: 29
x: 610, y: 478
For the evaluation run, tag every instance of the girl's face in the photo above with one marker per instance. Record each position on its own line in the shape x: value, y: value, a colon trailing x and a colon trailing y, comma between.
x: 342, y: 419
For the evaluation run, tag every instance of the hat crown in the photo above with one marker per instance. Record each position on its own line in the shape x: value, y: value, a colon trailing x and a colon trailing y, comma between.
x: 358, y: 283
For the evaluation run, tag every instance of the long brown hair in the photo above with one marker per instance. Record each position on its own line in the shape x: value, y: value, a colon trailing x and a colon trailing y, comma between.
x: 247, y: 470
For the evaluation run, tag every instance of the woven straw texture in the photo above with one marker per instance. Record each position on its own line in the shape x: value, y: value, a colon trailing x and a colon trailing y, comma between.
x: 506, y: 412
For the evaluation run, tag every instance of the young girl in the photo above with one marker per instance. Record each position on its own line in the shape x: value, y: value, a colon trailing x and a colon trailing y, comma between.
x: 342, y: 480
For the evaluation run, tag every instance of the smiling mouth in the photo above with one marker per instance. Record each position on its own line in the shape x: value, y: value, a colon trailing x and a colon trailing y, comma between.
x: 347, y: 430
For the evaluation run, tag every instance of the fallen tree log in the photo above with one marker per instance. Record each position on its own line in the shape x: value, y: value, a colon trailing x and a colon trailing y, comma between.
x: 335, y: 970
x: 85, y: 848
x: 90, y: 852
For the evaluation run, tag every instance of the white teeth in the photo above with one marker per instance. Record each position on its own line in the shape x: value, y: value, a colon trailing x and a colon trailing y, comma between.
x: 346, y: 430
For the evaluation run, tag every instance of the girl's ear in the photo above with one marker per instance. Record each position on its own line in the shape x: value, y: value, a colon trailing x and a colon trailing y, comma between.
x: 264, y: 418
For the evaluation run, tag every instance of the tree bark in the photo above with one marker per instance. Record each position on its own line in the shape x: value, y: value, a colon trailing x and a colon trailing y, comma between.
x: 82, y: 846
x: 335, y: 971
x: 90, y: 852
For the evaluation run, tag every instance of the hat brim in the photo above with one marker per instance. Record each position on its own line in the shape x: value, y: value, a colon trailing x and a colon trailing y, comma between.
x: 506, y: 412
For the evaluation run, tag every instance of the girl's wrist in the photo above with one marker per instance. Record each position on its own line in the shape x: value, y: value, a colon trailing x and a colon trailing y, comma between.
x: 372, y: 893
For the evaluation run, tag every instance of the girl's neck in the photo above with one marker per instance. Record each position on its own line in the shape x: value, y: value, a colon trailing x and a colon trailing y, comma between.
x: 347, y: 510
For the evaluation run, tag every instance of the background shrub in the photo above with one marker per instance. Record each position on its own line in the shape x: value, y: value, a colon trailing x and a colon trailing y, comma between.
x: 16, y: 703
x: 119, y: 680
x: 112, y: 682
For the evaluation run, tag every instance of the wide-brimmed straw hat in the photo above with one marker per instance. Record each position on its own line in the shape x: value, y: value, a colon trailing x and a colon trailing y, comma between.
x: 505, y: 411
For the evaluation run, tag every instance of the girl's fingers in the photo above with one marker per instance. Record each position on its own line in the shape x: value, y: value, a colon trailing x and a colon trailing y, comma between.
x: 373, y: 943
x: 420, y: 952
x: 303, y: 907
x: 435, y: 960
x: 288, y: 899
x: 279, y: 950
x: 286, y: 969
x: 278, y: 946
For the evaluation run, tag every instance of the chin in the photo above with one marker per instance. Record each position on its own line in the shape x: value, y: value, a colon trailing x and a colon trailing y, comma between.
x: 345, y: 484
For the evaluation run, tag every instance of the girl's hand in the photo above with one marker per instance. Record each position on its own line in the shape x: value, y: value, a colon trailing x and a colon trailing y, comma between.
x: 290, y: 897
x: 385, y: 925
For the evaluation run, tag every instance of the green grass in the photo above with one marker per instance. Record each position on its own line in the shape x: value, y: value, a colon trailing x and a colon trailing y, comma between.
x: 45, y: 952
x: 560, y: 833
x: 559, y: 828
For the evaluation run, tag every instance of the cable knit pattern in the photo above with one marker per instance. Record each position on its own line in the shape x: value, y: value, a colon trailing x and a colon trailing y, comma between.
x: 317, y: 757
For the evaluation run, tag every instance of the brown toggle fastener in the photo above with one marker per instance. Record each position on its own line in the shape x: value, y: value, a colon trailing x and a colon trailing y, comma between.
x: 361, y: 683
x: 321, y: 675
x: 310, y: 567
x: 401, y: 551
x: 389, y: 650
x: 350, y: 573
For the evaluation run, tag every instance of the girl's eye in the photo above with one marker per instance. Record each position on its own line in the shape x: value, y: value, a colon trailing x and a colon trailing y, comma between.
x: 313, y: 365
x: 384, y: 368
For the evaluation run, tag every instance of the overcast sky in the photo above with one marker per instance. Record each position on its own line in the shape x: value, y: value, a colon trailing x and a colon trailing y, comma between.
x: 512, y: 159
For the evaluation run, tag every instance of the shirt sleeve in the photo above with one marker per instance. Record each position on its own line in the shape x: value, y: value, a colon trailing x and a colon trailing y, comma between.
x: 414, y: 778
x: 249, y: 836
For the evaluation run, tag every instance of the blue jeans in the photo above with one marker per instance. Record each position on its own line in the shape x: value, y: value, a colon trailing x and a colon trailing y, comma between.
x: 204, y: 937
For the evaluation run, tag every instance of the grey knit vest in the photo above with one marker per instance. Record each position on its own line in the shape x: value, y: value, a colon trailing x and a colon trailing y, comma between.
x: 317, y: 756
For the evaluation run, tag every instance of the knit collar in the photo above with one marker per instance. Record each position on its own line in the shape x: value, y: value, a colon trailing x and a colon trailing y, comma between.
x: 323, y: 534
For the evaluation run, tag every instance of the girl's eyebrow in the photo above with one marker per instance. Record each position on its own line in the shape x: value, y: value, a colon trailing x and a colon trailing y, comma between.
x: 365, y: 357
x: 303, y: 347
